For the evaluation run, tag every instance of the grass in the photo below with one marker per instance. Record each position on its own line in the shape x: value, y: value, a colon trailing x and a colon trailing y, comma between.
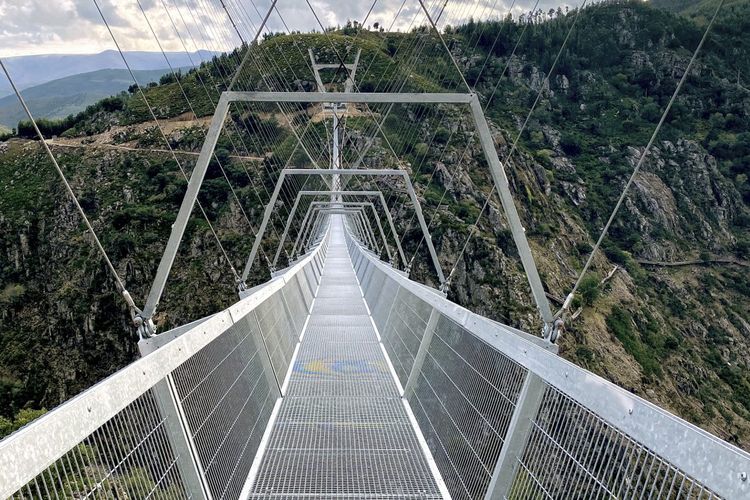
x: 620, y: 322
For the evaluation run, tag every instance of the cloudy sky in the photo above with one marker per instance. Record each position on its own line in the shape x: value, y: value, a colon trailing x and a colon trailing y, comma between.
x: 75, y: 26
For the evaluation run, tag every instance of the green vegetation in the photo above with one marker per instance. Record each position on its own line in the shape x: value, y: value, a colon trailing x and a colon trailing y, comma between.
x: 643, y: 338
x: 620, y: 322
x: 605, y: 97
x: 589, y: 288
x: 70, y: 95
x: 21, y: 418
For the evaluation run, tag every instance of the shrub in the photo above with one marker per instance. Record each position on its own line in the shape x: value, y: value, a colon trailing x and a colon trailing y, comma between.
x: 620, y: 322
x: 570, y: 145
x: 589, y: 289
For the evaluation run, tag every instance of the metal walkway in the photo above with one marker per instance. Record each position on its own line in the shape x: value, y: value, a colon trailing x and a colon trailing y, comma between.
x: 496, y: 413
x: 342, y: 429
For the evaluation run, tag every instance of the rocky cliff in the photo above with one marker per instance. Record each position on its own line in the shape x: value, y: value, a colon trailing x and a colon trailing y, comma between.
x: 664, y: 312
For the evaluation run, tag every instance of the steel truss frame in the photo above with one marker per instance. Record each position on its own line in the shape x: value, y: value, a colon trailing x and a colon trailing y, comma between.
x: 300, y: 194
x: 485, y: 135
x: 319, y: 205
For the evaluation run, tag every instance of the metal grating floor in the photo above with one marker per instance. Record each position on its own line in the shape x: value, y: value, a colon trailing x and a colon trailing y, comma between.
x: 342, y: 430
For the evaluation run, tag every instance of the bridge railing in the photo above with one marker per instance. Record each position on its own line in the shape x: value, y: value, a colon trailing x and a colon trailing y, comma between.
x: 505, y: 417
x: 185, y: 420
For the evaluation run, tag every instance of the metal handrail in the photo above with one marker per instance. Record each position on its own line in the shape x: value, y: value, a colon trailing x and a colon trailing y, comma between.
x: 716, y: 464
x: 32, y: 449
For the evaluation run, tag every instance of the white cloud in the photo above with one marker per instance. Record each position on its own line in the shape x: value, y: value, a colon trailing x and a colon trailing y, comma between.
x: 75, y: 26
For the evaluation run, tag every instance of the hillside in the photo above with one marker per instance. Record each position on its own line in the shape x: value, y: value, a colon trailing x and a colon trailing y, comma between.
x: 699, y: 8
x: 677, y: 335
x: 72, y: 94
x: 29, y: 71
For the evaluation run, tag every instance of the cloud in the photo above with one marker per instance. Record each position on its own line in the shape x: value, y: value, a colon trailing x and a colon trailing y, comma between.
x: 75, y: 26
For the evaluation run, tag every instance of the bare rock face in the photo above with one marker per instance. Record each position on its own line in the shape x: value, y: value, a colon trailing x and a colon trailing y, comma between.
x: 680, y: 191
x: 563, y: 164
x: 575, y: 191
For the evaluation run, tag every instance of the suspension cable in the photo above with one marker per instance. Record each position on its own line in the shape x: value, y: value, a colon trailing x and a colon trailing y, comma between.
x: 466, y: 149
x: 166, y: 140
x: 514, y: 146
x: 442, y: 40
x: 641, y: 160
x: 120, y: 285
x: 192, y: 110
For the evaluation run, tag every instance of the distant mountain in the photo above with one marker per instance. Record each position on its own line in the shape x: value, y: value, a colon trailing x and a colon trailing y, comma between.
x: 29, y: 71
x: 677, y: 334
x: 62, y: 97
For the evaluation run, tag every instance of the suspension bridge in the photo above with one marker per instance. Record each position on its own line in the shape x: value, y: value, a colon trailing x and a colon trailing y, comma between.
x: 340, y: 376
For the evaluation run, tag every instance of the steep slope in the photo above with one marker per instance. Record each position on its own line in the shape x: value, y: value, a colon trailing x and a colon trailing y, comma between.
x: 695, y: 8
x: 677, y: 335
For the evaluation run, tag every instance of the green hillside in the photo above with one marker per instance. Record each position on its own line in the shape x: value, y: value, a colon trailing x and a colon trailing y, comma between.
x: 675, y: 334
x: 72, y: 94
x: 700, y: 10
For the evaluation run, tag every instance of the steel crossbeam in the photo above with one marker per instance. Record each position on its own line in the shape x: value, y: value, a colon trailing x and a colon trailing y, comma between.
x: 377, y: 194
x: 345, y: 172
x: 485, y: 135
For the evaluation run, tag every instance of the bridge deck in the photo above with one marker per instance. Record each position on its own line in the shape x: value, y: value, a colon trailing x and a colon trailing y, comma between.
x: 342, y: 430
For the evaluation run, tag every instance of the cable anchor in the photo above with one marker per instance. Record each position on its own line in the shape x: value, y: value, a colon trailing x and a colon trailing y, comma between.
x: 144, y: 326
x: 553, y: 331
x: 408, y: 267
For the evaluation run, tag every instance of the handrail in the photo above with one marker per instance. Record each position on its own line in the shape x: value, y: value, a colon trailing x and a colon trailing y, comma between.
x: 33, y: 448
x: 718, y: 465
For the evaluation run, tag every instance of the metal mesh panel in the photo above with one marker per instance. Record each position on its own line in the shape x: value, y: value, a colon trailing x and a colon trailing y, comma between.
x: 341, y: 445
x: 572, y: 453
x: 128, y: 457
x: 403, y: 333
x: 227, y: 400
x: 344, y: 369
x: 311, y: 278
x: 464, y: 400
x: 306, y: 289
x: 339, y: 329
x: 342, y: 429
x: 278, y: 333
x: 341, y: 306
x: 371, y: 285
x: 385, y: 293
x: 337, y: 291
x: 295, y: 304
x: 366, y: 282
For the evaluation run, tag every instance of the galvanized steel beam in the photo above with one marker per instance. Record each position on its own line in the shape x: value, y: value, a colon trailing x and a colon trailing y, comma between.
x: 300, y: 194
x: 350, y: 97
x: 345, y: 172
x: 186, y: 208
x: 517, y: 230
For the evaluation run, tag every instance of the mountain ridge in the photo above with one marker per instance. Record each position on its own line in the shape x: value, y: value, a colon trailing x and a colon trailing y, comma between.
x: 29, y: 71
x: 72, y: 94
x: 678, y: 336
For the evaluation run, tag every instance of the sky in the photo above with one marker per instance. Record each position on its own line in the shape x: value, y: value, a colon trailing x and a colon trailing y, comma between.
x: 76, y: 27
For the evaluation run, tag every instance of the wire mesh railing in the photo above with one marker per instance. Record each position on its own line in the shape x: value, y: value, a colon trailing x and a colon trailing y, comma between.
x: 129, y: 456
x: 505, y: 417
x: 184, y: 421
x: 502, y: 415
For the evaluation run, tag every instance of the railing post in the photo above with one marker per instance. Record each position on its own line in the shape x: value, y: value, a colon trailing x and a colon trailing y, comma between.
x: 521, y: 424
x: 178, y: 433
x: 424, y: 345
